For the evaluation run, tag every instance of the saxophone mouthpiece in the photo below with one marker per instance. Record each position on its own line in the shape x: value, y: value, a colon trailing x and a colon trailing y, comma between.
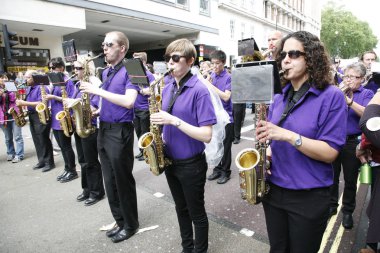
x: 283, y: 72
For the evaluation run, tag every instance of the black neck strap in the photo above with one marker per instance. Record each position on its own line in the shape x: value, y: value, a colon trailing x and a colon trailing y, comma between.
x: 174, y: 95
x: 109, y: 77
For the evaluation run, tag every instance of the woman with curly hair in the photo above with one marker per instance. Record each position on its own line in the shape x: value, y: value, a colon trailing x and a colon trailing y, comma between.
x: 306, y: 131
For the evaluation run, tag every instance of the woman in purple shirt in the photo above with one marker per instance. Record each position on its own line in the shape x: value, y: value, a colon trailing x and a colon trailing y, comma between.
x: 353, y: 78
x: 187, y: 116
x: 306, y: 133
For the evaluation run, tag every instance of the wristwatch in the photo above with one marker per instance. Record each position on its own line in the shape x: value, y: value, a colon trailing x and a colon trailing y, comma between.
x: 298, y: 141
x: 178, y: 123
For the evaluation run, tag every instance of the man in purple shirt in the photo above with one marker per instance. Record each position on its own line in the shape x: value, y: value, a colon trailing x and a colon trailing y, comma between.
x: 187, y: 116
x: 115, y: 137
x: 307, y: 129
x: 141, y: 121
x: 353, y: 78
x: 69, y: 173
x: 221, y: 84
x: 40, y: 132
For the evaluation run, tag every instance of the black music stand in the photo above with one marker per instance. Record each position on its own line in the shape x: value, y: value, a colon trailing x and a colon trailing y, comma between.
x: 136, y: 71
x: 40, y: 79
x: 255, y: 82
x: 57, y: 78
x: 247, y: 46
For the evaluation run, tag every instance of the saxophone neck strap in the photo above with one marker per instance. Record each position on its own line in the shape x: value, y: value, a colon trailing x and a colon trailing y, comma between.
x: 113, y: 73
x: 175, y: 94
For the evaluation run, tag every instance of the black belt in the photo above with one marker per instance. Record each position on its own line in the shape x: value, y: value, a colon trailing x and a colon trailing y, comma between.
x: 352, y: 136
x: 189, y: 160
x: 108, y: 125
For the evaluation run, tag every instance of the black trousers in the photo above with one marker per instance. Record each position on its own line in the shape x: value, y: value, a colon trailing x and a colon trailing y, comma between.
x: 239, y: 115
x: 186, y: 181
x: 91, y: 172
x: 350, y: 164
x: 224, y: 166
x: 141, y: 122
x: 41, y: 139
x: 64, y: 144
x: 296, y: 219
x: 115, y: 147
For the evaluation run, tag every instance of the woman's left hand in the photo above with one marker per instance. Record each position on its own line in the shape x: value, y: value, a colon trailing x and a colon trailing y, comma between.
x: 162, y: 118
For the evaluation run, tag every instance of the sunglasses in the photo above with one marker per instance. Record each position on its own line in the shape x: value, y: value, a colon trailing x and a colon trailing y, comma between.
x: 293, y: 54
x: 78, y: 68
x: 52, y: 67
x: 107, y: 44
x: 174, y: 57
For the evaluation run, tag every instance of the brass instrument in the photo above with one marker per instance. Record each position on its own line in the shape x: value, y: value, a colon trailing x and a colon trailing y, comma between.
x: 18, y: 117
x: 347, y: 91
x: 82, y: 107
x: 42, y: 108
x: 64, y: 116
x: 253, y: 165
x: 151, y: 143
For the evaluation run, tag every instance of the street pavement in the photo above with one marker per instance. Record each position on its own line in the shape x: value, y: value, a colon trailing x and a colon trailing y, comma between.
x: 39, y: 214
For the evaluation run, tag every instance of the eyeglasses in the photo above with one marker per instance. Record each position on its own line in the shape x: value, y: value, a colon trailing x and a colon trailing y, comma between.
x: 174, y: 57
x: 51, y: 67
x: 293, y: 54
x: 78, y: 68
x: 107, y: 44
x: 352, y: 77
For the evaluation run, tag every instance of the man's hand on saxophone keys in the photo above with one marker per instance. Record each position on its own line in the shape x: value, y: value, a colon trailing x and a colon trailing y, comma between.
x: 89, y: 88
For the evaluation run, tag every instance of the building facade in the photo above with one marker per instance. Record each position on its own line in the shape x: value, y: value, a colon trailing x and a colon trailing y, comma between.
x: 150, y: 25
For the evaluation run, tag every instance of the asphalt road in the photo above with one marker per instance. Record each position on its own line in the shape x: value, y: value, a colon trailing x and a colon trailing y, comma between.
x: 39, y: 214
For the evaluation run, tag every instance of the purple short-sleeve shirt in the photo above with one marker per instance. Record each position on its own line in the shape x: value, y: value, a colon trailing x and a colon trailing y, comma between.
x: 57, y: 106
x: 319, y: 115
x: 223, y: 83
x: 362, y: 97
x: 193, y: 106
x: 141, y: 102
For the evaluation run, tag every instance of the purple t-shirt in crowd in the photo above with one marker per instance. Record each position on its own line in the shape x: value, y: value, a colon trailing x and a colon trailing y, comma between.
x: 57, y: 106
x: 362, y: 97
x: 7, y: 101
x: 319, y: 115
x: 118, y: 84
x: 33, y: 94
x: 141, y: 102
x: 371, y: 85
x: 194, y: 107
x: 223, y: 83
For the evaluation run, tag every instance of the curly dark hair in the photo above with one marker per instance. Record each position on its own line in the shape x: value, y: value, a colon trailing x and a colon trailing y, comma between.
x: 317, y: 58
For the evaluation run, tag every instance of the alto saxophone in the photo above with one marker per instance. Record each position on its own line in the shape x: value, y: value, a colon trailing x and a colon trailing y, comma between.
x: 253, y: 165
x: 42, y: 108
x: 82, y: 107
x: 64, y: 117
x: 151, y: 143
x: 18, y: 117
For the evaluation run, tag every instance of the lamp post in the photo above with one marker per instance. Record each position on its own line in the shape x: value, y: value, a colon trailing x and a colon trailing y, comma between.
x: 336, y: 43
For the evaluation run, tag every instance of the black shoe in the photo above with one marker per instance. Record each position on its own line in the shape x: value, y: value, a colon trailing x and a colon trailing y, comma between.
x: 48, y: 167
x: 347, y: 221
x: 90, y: 201
x: 38, y: 166
x: 82, y: 197
x: 69, y: 176
x: 236, y: 141
x: 332, y: 211
x: 214, y: 176
x: 123, y: 235
x: 62, y: 175
x: 223, y: 180
x: 113, y: 231
x: 139, y: 155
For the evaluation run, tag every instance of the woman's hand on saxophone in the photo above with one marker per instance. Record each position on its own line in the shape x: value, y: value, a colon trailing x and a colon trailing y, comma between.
x: 20, y: 102
x: 267, y: 131
x: 163, y: 118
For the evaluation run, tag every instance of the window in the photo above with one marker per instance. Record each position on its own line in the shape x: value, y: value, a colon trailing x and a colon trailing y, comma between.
x: 232, y: 28
x: 252, y: 31
x: 183, y: 3
x: 204, y: 7
x: 242, y: 31
x: 251, y: 6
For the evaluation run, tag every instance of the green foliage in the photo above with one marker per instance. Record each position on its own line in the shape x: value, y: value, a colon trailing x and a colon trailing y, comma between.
x: 343, y: 34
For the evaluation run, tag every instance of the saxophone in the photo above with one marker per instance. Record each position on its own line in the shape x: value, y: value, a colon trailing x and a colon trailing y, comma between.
x: 64, y: 117
x: 151, y: 143
x: 18, y: 117
x: 82, y: 108
x: 252, y: 165
x: 42, y: 108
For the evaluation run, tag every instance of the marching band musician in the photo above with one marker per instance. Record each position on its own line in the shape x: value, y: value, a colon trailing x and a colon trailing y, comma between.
x: 8, y: 125
x: 40, y: 132
x: 306, y: 133
x: 353, y: 78
x: 141, y: 121
x: 115, y: 136
x: 273, y: 38
x: 87, y: 151
x: 63, y: 141
x: 187, y: 118
x: 367, y: 58
x: 221, y: 84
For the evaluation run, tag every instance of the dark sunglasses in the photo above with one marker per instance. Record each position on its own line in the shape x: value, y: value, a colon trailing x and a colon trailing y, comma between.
x: 174, y: 57
x: 78, y: 68
x: 293, y: 54
x: 51, y: 67
x: 107, y: 44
